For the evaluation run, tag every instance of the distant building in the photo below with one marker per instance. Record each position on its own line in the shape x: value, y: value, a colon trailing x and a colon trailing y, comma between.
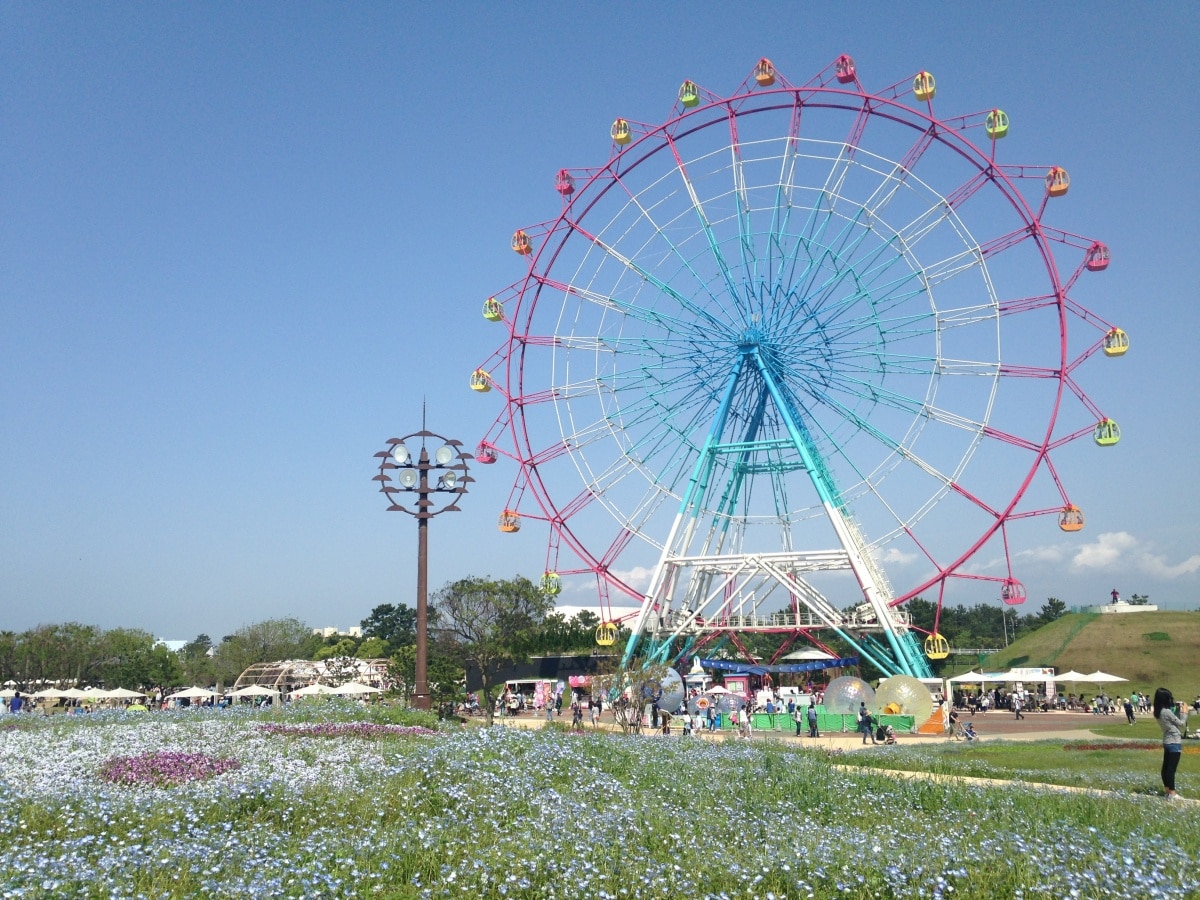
x: 354, y: 631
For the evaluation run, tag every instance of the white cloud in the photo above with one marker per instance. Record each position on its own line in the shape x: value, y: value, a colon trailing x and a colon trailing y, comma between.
x: 1121, y: 550
x: 895, y: 556
x: 637, y: 578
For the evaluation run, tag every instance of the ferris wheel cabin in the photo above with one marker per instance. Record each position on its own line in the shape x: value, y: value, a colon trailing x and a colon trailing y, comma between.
x: 1107, y: 433
x: 1116, y: 342
x: 843, y: 69
x: 1057, y: 181
x: 1071, y: 518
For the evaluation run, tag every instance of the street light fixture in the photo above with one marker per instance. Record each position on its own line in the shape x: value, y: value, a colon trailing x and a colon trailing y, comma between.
x: 412, y: 492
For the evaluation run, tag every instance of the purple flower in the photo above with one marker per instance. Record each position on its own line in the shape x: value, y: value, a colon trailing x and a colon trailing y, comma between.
x: 164, y: 768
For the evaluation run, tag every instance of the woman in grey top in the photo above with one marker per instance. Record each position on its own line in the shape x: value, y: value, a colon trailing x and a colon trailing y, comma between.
x: 1173, y: 729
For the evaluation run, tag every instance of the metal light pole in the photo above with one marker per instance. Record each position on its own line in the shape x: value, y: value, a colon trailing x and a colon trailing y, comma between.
x: 416, y: 496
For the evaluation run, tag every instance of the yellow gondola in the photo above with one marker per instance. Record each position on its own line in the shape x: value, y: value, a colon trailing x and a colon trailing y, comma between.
x: 936, y: 646
x: 924, y: 86
x: 481, y: 381
x: 1107, y: 433
x: 621, y: 132
x: 689, y: 94
x: 1071, y: 518
x: 1116, y: 342
x: 606, y: 634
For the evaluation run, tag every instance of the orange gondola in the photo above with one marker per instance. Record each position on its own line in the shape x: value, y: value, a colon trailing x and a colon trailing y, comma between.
x: 510, y: 521
x: 1057, y: 181
x: 1071, y: 518
x: 521, y: 243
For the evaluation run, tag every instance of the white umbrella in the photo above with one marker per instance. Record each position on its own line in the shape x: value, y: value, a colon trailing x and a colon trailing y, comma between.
x: 966, y: 678
x: 253, y: 690
x: 7, y: 693
x: 47, y: 693
x: 313, y: 690
x: 718, y: 689
x: 355, y: 688
x: 1072, y: 675
x: 124, y: 694
x: 192, y: 693
x: 1099, y: 676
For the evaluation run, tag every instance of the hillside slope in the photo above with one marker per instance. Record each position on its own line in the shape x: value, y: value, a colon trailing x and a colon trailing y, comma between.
x: 1151, y: 649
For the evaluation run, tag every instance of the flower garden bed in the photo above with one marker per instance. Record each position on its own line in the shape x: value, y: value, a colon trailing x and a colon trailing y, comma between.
x: 520, y: 815
x: 164, y: 767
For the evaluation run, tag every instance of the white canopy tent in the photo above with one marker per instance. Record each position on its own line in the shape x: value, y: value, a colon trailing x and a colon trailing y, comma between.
x: 313, y: 690
x: 192, y: 693
x: 253, y: 690
x: 355, y: 689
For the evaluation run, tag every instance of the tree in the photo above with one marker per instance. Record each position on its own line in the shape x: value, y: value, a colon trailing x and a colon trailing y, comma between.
x: 1051, y: 610
x: 560, y: 635
x: 1139, y: 600
x: 130, y: 658
x: 373, y: 648
x: 273, y: 639
x: 627, y: 691
x: 395, y: 624
x: 489, y: 624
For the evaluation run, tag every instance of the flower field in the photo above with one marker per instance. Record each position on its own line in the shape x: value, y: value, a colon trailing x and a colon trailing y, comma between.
x: 311, y: 803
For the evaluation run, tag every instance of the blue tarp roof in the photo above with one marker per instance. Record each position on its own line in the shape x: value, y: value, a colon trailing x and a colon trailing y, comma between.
x: 726, y: 665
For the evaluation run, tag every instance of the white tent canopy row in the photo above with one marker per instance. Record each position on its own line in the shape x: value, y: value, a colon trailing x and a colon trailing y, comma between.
x: 84, y: 694
x: 1096, y: 677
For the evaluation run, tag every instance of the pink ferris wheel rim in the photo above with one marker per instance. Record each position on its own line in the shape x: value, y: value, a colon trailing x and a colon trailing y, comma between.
x: 749, y: 100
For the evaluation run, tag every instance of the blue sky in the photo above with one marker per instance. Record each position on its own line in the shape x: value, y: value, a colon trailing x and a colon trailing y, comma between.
x: 241, y: 245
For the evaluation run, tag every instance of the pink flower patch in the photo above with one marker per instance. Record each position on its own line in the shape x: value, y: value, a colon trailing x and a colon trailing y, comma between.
x: 164, y: 768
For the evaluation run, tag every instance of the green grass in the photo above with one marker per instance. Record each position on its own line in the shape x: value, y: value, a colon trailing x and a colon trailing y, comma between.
x: 1047, y: 762
x: 1152, y: 650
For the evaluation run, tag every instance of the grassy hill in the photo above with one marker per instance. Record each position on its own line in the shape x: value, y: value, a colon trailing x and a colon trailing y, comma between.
x: 1151, y: 649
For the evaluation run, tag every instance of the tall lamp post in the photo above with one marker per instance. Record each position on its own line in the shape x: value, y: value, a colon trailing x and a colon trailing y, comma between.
x: 423, y: 487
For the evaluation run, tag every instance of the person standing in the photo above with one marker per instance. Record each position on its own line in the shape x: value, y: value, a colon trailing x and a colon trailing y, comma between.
x: 813, y: 731
x: 864, y: 723
x: 797, y: 718
x: 1016, y: 705
x: 1173, y: 728
x: 17, y: 701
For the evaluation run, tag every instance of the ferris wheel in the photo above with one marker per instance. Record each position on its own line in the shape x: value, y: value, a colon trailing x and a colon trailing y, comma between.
x: 792, y: 358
